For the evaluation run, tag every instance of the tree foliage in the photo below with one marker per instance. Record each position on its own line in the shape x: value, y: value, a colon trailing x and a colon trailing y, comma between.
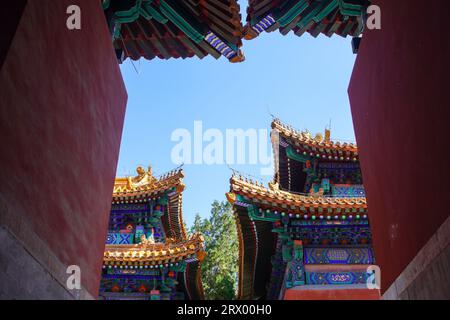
x: 220, y: 267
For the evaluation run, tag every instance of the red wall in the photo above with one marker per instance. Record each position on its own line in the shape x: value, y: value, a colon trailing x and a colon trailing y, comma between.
x: 62, y: 104
x: 399, y: 95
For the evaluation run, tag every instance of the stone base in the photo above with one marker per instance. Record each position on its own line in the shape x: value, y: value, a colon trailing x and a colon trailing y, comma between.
x: 428, y: 274
x: 23, y: 277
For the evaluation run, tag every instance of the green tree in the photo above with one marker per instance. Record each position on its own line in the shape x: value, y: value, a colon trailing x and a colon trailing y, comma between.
x: 220, y: 267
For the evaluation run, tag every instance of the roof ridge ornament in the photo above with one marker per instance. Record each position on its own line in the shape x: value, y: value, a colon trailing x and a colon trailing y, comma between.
x: 327, y: 135
x: 143, y: 178
x: 305, y: 136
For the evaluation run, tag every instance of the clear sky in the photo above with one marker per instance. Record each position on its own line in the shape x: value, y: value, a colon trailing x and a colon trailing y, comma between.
x: 301, y: 80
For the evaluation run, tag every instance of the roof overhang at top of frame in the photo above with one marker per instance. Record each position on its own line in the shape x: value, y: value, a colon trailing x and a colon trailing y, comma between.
x: 342, y: 17
x: 175, y: 29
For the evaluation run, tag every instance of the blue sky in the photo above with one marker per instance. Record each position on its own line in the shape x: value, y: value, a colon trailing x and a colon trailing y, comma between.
x: 301, y: 80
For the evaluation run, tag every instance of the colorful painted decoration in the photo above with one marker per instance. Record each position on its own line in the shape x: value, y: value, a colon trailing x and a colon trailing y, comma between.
x: 336, y: 278
x: 324, y: 255
x: 264, y: 24
x: 175, y: 29
x: 342, y: 17
x: 310, y: 225
x: 119, y: 238
x: 147, y: 249
x: 220, y: 46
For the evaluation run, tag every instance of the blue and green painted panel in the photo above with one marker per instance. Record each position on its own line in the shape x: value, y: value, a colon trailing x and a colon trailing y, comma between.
x: 332, y: 234
x: 339, y: 256
x: 295, y: 267
x: 294, y: 155
x: 348, y: 191
x: 128, y: 222
x: 119, y: 238
x: 336, y: 277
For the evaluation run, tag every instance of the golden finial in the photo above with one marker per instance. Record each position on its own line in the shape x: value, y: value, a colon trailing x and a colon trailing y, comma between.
x: 327, y: 135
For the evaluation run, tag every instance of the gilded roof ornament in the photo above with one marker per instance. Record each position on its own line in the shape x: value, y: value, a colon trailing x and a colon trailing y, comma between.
x: 318, y: 138
x: 306, y: 134
x: 145, y: 182
x: 327, y: 135
x: 304, y: 138
x: 274, y: 186
x: 231, y: 197
x: 180, y: 188
x: 146, y: 241
x: 143, y: 178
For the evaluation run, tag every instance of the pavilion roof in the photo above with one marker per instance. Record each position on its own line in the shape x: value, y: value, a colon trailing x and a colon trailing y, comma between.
x: 125, y: 189
x: 255, y: 230
x: 257, y: 207
x: 342, y: 17
x: 277, y: 199
x: 317, y: 146
x: 176, y: 29
x: 154, y: 254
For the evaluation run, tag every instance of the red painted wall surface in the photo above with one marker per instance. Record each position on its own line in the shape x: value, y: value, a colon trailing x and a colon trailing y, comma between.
x: 62, y: 104
x: 338, y: 294
x: 400, y: 101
